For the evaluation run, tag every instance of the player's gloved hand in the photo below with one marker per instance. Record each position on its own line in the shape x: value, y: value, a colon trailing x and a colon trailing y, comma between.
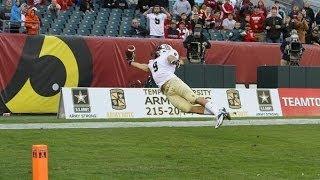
x: 176, y: 62
x: 130, y: 54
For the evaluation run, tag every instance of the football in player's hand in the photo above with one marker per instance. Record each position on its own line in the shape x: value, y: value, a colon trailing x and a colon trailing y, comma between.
x: 130, y: 53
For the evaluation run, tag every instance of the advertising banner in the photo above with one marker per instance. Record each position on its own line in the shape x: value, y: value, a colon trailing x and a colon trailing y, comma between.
x: 300, y: 102
x: 249, y: 102
x: 83, y: 103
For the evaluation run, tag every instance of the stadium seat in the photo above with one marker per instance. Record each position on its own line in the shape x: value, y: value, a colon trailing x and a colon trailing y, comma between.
x: 98, y: 32
x: 124, y: 32
x: 206, y: 34
x: 55, y: 31
x: 69, y: 31
x: 106, y: 10
x: 101, y: 22
x: 83, y: 32
x: 115, y: 10
x: 71, y: 25
x: 43, y: 30
x: 85, y: 26
x: 215, y: 35
x: 57, y: 26
x: 98, y: 26
x: 111, y: 32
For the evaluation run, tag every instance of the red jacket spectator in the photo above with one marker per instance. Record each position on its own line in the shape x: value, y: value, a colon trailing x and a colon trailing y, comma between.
x: 63, y: 4
x: 250, y: 36
x: 257, y: 21
x: 227, y: 8
x: 32, y: 22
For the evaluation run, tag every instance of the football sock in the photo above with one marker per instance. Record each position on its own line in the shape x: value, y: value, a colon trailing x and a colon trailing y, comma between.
x: 211, y: 108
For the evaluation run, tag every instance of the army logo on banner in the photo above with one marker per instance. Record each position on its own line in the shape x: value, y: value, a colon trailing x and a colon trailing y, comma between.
x: 234, y: 99
x: 47, y: 64
x: 264, y: 100
x: 81, y: 101
x: 118, y: 99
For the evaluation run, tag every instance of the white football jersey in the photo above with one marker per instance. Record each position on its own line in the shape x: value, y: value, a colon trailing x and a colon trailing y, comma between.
x: 161, y: 69
x: 156, y: 24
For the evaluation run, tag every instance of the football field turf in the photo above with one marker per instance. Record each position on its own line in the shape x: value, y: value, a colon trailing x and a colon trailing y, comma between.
x: 239, y: 152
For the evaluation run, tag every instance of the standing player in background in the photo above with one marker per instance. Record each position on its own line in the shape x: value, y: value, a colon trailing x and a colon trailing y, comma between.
x: 179, y: 94
x: 156, y: 20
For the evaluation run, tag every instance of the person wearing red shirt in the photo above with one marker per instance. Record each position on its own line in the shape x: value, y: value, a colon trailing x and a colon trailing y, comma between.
x: 257, y: 24
x: 249, y: 35
x: 227, y: 8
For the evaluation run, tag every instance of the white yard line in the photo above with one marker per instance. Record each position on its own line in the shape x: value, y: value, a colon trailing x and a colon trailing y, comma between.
x: 84, y: 125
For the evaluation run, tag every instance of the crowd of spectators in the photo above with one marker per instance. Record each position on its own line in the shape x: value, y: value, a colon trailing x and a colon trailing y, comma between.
x: 236, y: 20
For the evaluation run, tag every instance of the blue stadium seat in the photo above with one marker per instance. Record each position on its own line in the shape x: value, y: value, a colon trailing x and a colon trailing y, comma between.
x: 97, y: 32
x: 216, y: 35
x: 111, y: 32
x: 83, y: 32
x: 55, y: 31
x: 69, y: 31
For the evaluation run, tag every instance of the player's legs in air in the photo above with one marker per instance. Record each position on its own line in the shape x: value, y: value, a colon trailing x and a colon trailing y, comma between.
x: 181, y: 96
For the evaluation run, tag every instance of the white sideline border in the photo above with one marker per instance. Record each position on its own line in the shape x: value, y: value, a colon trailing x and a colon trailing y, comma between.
x: 101, y: 125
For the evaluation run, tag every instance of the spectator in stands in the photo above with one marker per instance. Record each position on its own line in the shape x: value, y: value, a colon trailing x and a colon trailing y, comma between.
x: 287, y: 27
x: 64, y: 4
x: 298, y: 3
x: 184, y: 32
x: 195, y: 10
x: 309, y: 11
x: 86, y: 6
x: 313, y: 37
x: 209, y: 20
x: 196, y: 20
x: 245, y: 21
x: 257, y: 24
x: 121, y: 4
x: 172, y: 31
x: 301, y: 25
x: 15, y: 17
x: 32, y: 22
x: 249, y: 34
x: 181, y: 6
x: 308, y: 19
x: 137, y: 30
x: 217, y: 20
x: 184, y: 19
x: 262, y: 7
x: 280, y: 10
x: 237, y: 33
x: 212, y: 4
x: 54, y: 8
x: 294, y: 13
x: 246, y: 7
x: 109, y: 4
x: 144, y: 5
x: 317, y: 18
x: 5, y: 13
x: 229, y: 23
x: 156, y: 16
x: 132, y: 4
x: 273, y: 25
x: 202, y: 12
x: 24, y: 9
x: 227, y: 8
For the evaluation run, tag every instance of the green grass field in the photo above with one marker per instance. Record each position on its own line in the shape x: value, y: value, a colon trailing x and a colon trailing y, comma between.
x: 242, y: 152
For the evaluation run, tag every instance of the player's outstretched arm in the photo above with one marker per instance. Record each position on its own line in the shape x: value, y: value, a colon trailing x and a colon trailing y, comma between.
x: 143, y: 67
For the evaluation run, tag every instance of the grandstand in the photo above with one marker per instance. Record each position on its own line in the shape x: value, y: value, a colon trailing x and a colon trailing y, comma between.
x: 109, y: 22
